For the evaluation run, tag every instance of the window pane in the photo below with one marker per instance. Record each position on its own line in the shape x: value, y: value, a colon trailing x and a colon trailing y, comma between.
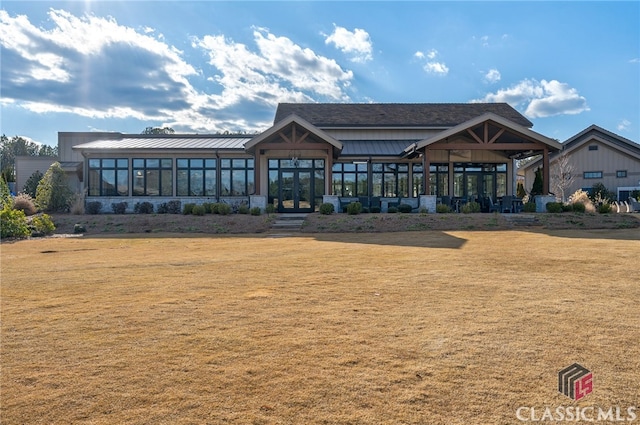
x: 349, y: 188
x: 94, y: 163
x: 377, y: 184
x: 153, y: 163
x: 138, y: 163
x: 273, y: 163
x: 196, y: 181
x: 182, y: 163
x: 319, y: 163
x: 225, y: 163
x: 153, y: 183
x: 238, y: 163
x: 389, y: 184
x: 167, y: 183
x: 376, y: 167
x: 210, y: 182
x: 196, y: 163
x: 182, y: 183
x: 225, y: 177
x: 363, y: 184
x: 336, y: 184
x: 250, y: 182
x: 403, y: 167
x: 123, y: 182
x: 210, y: 163
x: 458, y: 185
x: 122, y: 163
x: 166, y: 163
x: 305, y: 163
x: 94, y: 183
x: 108, y: 163
x: 138, y: 182
x: 319, y: 183
x: 250, y: 163
x: 349, y: 167
x: 336, y: 167
x: 239, y: 183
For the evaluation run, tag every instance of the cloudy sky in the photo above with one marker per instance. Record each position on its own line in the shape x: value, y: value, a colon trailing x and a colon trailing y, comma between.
x: 212, y: 66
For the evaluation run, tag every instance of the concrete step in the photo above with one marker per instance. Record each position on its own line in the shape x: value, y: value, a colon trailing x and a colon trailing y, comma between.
x: 289, y: 222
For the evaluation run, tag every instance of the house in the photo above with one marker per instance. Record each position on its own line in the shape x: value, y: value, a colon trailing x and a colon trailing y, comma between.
x: 597, y: 156
x: 380, y: 154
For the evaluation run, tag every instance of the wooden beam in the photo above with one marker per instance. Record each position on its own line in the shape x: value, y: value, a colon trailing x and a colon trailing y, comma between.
x: 426, y: 175
x: 284, y: 137
x: 486, y: 132
x: 498, y: 134
x: 545, y: 171
x: 296, y: 146
x: 304, y: 136
x: 474, y: 135
x: 486, y: 146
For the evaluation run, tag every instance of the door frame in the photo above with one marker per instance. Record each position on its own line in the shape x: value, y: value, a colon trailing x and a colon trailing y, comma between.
x: 296, y: 190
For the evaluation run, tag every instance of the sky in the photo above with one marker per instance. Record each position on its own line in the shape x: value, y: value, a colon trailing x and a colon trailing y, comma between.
x: 214, y: 66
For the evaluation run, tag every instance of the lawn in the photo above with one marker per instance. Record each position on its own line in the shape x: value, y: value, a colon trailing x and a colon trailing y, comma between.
x: 434, y: 327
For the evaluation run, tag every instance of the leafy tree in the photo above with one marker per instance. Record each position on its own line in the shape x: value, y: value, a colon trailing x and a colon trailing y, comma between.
x: 53, y: 193
x: 599, y: 194
x: 520, y: 191
x: 31, y: 186
x: 158, y: 130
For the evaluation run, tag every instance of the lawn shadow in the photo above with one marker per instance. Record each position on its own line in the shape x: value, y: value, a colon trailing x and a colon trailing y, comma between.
x: 632, y: 234
x: 422, y: 239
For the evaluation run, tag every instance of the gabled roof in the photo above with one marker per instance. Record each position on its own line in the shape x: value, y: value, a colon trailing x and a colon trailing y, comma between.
x: 291, y: 119
x: 553, y: 144
x: 589, y: 134
x: 423, y: 115
x: 172, y: 142
x: 599, y: 133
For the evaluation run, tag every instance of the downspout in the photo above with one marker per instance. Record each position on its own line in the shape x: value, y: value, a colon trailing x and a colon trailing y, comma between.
x: 218, y: 175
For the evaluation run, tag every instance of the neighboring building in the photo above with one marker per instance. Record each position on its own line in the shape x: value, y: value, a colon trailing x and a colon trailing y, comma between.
x: 314, y: 153
x: 599, y: 156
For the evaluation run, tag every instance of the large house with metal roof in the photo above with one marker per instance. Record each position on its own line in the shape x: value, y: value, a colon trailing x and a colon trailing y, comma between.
x: 379, y: 154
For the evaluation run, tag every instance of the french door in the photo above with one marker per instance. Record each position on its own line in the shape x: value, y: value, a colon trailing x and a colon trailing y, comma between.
x: 295, y: 187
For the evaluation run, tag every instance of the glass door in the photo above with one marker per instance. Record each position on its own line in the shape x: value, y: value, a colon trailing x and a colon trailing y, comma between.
x: 295, y: 191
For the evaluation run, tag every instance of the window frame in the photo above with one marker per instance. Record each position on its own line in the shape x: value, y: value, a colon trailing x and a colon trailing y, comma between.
x: 118, y: 170
x: 164, y: 167
x: 592, y: 175
x: 208, y: 168
x: 230, y: 170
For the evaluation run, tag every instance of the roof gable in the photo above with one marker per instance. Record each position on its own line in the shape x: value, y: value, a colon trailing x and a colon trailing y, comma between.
x: 425, y: 115
x: 598, y: 133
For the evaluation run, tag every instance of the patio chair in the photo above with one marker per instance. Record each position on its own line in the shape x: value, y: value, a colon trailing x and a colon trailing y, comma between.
x: 493, y: 207
x: 634, y: 204
x: 506, y: 204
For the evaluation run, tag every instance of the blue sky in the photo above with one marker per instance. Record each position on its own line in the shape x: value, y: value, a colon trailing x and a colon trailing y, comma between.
x: 212, y: 66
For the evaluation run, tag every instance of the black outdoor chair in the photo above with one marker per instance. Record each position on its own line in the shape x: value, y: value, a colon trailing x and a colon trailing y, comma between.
x: 507, y: 204
x: 493, y: 207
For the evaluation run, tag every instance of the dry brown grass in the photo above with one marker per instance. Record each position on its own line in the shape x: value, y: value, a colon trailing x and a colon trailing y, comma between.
x: 420, y: 327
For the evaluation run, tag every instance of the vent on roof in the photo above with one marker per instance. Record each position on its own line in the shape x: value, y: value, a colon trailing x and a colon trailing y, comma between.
x: 593, y: 147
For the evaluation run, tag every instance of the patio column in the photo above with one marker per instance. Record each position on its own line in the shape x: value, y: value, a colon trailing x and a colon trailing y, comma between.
x: 426, y: 176
x: 546, y: 173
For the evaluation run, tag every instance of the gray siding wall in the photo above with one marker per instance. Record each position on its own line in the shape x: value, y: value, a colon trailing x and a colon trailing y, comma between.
x: 27, y: 165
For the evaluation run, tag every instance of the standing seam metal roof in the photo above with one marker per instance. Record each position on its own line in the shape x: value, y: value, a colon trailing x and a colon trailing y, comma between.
x: 171, y: 142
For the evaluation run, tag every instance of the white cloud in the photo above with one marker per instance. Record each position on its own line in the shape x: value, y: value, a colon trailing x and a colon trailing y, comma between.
x: 635, y: 60
x: 540, y: 98
x: 94, y: 67
x: 432, y: 66
x: 493, y: 76
x: 357, y: 44
x: 623, y: 125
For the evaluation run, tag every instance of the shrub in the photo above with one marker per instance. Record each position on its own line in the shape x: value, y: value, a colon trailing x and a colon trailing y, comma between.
x: 327, y: 208
x: 404, y: 208
x: 162, y: 208
x: 208, y: 207
x: 578, y: 207
x: 31, y: 185
x: 392, y: 210
x: 13, y: 223
x: 53, y: 193
x: 255, y: 211
x: 471, y: 207
x: 77, y: 204
x: 529, y: 207
x: 374, y: 210
x: 243, y: 209
x: 423, y: 210
x: 79, y: 228
x: 354, y: 208
x: 188, y: 209
x: 582, y: 197
x: 143, y: 208
x: 604, y: 208
x: 93, y: 207
x: 443, y: 209
x: 42, y: 225
x: 24, y: 202
x: 554, y: 207
x: 600, y: 194
x: 224, y: 209
x: 271, y: 209
x: 197, y: 210
x: 567, y: 207
x: 174, y: 207
x: 119, y: 207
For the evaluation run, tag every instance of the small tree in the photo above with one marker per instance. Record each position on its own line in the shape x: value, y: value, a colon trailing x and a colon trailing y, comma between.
x: 31, y: 186
x: 520, y: 192
x: 5, y: 194
x: 563, y: 175
x: 537, y: 183
x: 53, y: 193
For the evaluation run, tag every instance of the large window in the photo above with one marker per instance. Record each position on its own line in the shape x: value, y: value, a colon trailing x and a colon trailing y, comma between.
x: 479, y: 180
x: 237, y: 177
x: 109, y: 177
x: 350, y: 179
x: 390, y: 179
x: 417, y: 175
x: 196, y: 177
x: 152, y: 177
x: 439, y: 179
